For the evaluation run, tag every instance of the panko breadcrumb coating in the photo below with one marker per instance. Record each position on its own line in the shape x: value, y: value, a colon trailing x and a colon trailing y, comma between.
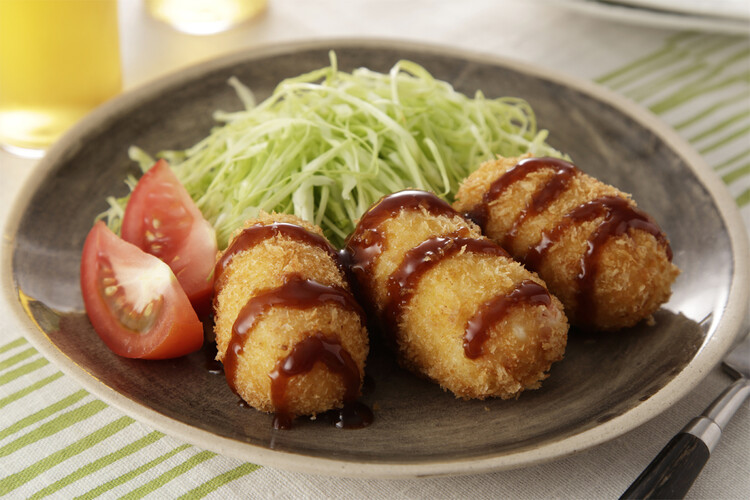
x: 608, y: 262
x: 290, y: 335
x: 456, y: 307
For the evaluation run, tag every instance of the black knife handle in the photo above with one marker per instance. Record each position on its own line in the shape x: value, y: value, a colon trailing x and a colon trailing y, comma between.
x: 673, y: 471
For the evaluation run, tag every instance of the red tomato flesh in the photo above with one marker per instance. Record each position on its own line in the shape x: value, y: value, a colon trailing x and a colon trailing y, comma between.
x: 134, y: 301
x: 162, y: 219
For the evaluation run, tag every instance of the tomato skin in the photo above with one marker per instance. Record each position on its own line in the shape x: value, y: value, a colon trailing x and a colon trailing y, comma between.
x: 163, y: 220
x: 174, y: 330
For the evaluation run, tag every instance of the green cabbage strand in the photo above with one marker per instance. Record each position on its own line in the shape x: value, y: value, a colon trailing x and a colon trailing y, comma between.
x: 327, y: 144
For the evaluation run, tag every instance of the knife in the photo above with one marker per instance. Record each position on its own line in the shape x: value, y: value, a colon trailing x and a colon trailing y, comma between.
x: 675, y: 468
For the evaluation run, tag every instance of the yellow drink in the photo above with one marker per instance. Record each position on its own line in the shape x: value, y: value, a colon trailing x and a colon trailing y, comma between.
x: 58, y: 60
x: 204, y: 17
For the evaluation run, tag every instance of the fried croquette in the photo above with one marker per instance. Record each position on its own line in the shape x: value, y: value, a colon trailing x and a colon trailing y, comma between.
x: 289, y: 333
x: 606, y: 260
x: 455, y: 307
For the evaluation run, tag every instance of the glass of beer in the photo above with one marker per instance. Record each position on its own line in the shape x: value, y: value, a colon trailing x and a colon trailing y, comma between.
x: 204, y: 17
x: 58, y: 60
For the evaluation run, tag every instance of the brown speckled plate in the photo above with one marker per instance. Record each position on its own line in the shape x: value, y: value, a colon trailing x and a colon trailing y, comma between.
x: 607, y: 384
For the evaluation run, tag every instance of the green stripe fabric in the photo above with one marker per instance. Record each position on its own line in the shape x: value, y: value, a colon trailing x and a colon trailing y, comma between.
x: 743, y: 199
x: 13, y: 481
x: 73, y: 417
x: 219, y: 481
x: 99, y: 464
x: 737, y: 174
x: 728, y: 162
x: 699, y: 84
x: 12, y: 345
x: 22, y: 370
x: 43, y: 413
x: 710, y: 110
x: 21, y: 356
x: 676, y: 46
x: 131, y: 474
x: 725, y: 140
x: 738, y: 117
x: 170, y: 475
x: 29, y: 389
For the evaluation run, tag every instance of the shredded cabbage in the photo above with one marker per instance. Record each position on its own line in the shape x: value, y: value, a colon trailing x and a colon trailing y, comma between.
x: 327, y: 144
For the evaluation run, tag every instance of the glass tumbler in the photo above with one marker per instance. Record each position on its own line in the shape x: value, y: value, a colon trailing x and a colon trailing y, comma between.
x: 204, y: 17
x: 58, y: 60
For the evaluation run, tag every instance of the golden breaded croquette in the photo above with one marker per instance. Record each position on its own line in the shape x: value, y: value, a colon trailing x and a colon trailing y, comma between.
x: 607, y: 261
x: 456, y: 308
x: 289, y: 333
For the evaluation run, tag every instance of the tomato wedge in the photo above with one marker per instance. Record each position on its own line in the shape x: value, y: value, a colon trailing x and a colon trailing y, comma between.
x: 134, y: 301
x: 162, y: 219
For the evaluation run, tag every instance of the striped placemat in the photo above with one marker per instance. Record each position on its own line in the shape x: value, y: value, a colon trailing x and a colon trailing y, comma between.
x: 700, y: 85
x: 53, y: 427
x: 58, y: 440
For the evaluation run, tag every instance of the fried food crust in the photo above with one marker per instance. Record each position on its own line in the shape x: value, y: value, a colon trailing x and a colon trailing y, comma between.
x: 265, y: 266
x: 520, y: 348
x: 635, y: 273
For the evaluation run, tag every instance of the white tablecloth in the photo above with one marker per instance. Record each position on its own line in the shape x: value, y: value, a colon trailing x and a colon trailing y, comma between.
x: 42, y: 453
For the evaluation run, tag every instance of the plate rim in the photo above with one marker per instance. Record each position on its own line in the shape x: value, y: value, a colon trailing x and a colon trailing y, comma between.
x: 711, y: 352
x: 653, y: 17
x: 701, y: 8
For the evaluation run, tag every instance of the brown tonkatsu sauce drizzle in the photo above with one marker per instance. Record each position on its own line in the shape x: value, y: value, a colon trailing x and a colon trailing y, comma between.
x: 295, y: 293
x: 366, y: 242
x: 564, y: 172
x: 253, y: 235
x: 304, y: 355
x: 618, y: 216
x: 402, y: 283
x: 494, y: 310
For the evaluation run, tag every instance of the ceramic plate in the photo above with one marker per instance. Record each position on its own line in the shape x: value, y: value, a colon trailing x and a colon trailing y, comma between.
x: 607, y: 384
x: 668, y: 14
x: 739, y: 9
